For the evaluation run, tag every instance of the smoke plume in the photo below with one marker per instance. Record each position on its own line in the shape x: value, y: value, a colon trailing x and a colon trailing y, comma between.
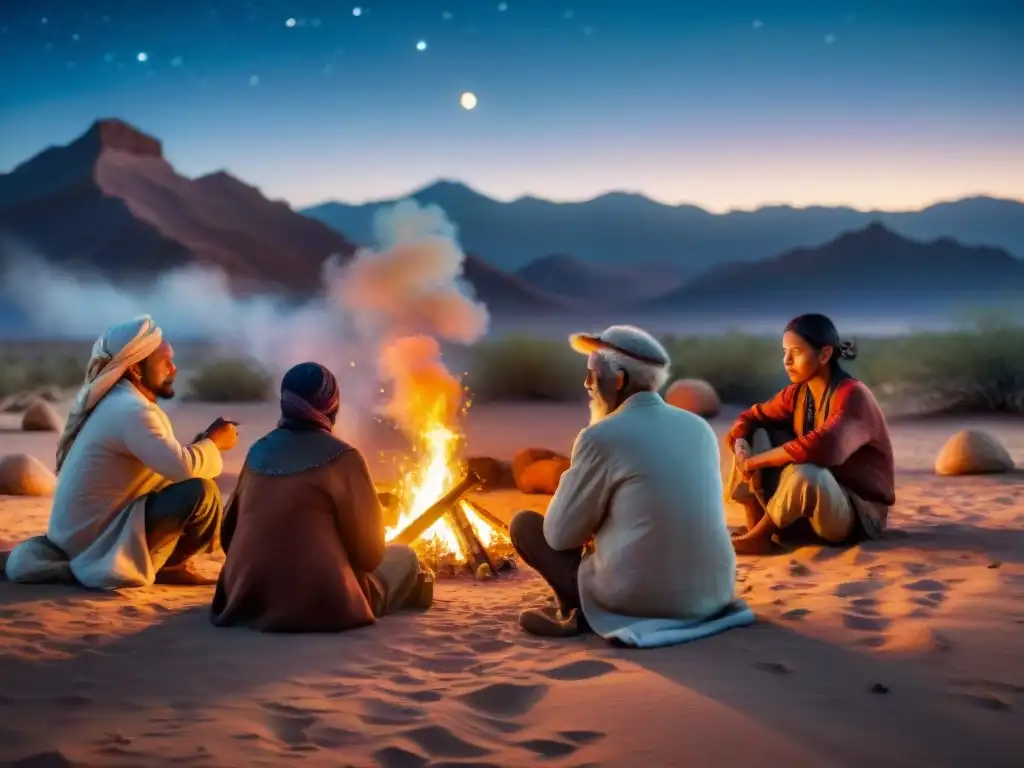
x: 379, y: 321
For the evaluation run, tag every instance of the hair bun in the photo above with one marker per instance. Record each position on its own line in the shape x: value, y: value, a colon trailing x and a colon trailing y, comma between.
x: 848, y: 350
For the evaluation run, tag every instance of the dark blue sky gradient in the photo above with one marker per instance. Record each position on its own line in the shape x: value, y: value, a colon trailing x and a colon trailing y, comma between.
x: 724, y: 104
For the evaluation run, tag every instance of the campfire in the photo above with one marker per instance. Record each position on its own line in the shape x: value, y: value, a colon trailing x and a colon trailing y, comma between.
x: 450, y: 533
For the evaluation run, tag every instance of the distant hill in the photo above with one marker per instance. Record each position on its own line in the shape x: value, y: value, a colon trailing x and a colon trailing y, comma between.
x: 625, y: 229
x: 868, y: 268
x: 589, y: 281
x: 110, y: 202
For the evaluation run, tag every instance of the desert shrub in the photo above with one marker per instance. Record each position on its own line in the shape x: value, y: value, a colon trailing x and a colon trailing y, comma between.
x: 743, y: 369
x: 20, y: 373
x: 976, y: 369
x: 520, y: 367
x: 230, y: 380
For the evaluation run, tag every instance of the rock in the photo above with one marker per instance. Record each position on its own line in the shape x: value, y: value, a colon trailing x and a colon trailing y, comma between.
x: 972, y: 452
x: 24, y: 475
x: 493, y: 473
x: 695, y: 396
x: 543, y: 476
x: 528, y: 456
x: 41, y: 417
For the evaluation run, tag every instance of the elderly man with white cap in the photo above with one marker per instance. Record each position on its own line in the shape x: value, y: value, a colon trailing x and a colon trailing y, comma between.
x: 132, y: 504
x: 636, y: 529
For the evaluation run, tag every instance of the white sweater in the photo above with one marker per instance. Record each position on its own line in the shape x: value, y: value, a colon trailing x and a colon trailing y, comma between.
x: 645, y: 483
x: 125, y: 451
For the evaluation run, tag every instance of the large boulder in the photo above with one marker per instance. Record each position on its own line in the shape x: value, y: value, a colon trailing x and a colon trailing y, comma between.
x: 972, y: 452
x: 695, y: 396
x: 41, y: 417
x: 543, y: 476
x: 24, y: 475
x: 528, y: 456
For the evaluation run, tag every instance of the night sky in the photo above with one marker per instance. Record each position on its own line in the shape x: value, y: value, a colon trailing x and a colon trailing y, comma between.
x: 724, y: 104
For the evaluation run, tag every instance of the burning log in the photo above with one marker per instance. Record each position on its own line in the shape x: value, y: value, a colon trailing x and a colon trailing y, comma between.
x: 476, y: 554
x: 436, y: 511
x: 488, y: 517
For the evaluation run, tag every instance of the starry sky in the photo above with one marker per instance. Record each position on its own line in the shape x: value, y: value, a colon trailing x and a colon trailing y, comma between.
x: 876, y: 104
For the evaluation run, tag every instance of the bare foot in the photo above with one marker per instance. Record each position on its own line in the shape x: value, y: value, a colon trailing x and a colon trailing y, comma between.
x: 752, y: 545
x: 183, y: 576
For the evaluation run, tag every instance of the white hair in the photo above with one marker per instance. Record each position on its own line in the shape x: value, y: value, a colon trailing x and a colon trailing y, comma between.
x: 643, y: 375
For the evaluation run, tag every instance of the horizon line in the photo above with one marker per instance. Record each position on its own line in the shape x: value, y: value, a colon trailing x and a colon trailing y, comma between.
x: 715, y: 211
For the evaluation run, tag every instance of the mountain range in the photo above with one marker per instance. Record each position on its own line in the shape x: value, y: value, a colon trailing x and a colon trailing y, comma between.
x: 628, y: 229
x: 111, y: 204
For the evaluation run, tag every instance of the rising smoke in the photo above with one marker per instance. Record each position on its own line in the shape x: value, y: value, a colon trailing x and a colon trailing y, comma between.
x: 379, y: 322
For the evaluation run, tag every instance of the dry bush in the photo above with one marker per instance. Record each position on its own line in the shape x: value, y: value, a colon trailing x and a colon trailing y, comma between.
x: 20, y: 373
x: 526, y: 368
x: 978, y: 368
x: 230, y: 380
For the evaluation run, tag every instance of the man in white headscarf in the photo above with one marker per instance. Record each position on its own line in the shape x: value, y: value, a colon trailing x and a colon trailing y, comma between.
x: 132, y: 505
x: 636, y: 530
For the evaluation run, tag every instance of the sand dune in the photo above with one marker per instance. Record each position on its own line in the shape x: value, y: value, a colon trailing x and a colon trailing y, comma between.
x: 899, y: 652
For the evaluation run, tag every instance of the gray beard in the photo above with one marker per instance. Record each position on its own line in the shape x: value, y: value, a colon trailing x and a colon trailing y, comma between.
x: 598, y: 410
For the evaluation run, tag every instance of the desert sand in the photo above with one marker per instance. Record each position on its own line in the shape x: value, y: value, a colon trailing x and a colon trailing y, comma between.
x: 904, y: 652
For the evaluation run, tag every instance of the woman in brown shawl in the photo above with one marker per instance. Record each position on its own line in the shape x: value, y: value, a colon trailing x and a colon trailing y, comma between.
x: 303, y: 532
x: 817, y: 456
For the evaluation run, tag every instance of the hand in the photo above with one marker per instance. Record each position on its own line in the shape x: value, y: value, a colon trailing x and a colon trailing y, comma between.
x: 223, y: 433
x: 743, y: 466
x: 741, y: 449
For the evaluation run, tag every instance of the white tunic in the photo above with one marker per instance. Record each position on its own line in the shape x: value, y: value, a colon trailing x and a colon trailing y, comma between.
x: 645, y: 482
x: 126, y: 450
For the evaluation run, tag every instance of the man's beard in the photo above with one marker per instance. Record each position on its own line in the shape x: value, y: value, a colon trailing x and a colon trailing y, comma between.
x: 165, y: 391
x: 599, y: 409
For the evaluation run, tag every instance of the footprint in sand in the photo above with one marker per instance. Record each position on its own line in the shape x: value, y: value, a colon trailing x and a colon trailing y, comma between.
x: 396, y: 757
x: 584, y: 669
x: 379, y: 711
x: 858, y: 588
x: 865, y: 605
x: 927, y: 585
x: 438, y: 741
x: 549, y: 749
x: 504, y: 699
x: 865, y: 623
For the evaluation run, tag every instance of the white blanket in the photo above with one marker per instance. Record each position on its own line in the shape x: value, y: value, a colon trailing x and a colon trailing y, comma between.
x: 658, y: 633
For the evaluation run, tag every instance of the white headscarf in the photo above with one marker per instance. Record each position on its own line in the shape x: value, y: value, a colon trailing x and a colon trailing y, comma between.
x: 113, y: 353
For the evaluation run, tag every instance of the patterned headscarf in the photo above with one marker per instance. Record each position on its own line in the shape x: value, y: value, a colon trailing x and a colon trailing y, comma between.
x: 309, y: 396
x: 121, y: 347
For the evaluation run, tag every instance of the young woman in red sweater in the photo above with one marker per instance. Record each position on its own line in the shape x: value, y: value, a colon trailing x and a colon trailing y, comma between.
x: 816, y: 459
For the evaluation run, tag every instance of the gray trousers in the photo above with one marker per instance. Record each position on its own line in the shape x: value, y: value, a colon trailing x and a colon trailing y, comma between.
x: 183, y: 520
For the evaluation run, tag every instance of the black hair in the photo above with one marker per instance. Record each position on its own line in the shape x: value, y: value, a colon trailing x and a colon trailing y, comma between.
x: 819, y: 331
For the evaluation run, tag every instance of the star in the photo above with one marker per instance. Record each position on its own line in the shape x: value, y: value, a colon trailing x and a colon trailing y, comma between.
x: 446, y: 15
x: 76, y: 37
x: 829, y: 39
x: 502, y: 7
x: 570, y: 14
x: 142, y: 56
x: 254, y: 80
x: 421, y: 45
x: 357, y: 11
x: 289, y: 22
x: 757, y: 24
x: 177, y: 61
x: 108, y: 57
x: 588, y: 31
